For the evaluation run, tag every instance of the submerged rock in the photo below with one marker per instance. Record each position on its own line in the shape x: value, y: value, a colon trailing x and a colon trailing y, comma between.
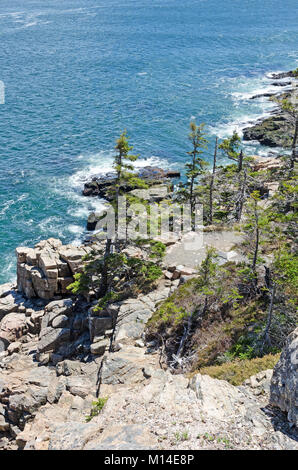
x: 279, y: 75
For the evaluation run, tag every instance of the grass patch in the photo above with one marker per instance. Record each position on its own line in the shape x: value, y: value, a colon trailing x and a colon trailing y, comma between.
x: 237, y: 372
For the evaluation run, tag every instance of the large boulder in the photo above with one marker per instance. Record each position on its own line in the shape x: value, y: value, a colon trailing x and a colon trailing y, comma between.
x: 53, y: 332
x: 284, y: 384
x: 122, y: 367
x: 56, y: 309
x: 79, y: 385
x: 72, y: 435
x: 5, y: 289
x: 134, y: 313
x: 24, y: 389
x: 60, y: 330
x: 10, y: 302
x: 13, y: 326
x: 123, y: 437
x: 51, y: 338
x: 46, y: 270
x: 217, y: 398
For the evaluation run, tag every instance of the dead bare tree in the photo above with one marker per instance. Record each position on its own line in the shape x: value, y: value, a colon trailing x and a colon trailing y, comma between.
x: 212, y: 183
x: 186, y: 333
x: 271, y: 289
x: 257, y: 235
x: 162, y: 354
x: 104, y: 275
x: 186, y: 361
x: 241, y: 196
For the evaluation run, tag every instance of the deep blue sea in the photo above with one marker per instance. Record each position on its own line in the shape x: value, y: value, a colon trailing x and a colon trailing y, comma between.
x: 78, y: 72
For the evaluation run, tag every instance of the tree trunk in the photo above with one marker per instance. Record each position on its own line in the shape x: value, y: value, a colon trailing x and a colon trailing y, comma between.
x: 212, y: 184
x: 104, y: 276
x: 118, y: 185
x: 266, y: 338
x: 257, y: 239
x: 192, y: 183
x: 240, y: 202
x: 240, y: 161
x: 294, y: 143
x: 186, y: 333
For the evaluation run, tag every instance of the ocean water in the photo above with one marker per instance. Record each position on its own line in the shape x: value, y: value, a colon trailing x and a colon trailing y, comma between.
x: 77, y: 73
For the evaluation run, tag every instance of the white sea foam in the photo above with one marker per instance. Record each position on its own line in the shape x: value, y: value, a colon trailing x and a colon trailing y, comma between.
x: 258, y: 92
x: 276, y: 72
x: 76, y: 229
x: 97, y: 164
x: 12, y: 202
x: 9, y: 268
x: 248, y: 112
x: 30, y: 24
x: 52, y: 226
x: 15, y: 14
x: 246, y: 88
x: 101, y: 163
x: 238, y: 124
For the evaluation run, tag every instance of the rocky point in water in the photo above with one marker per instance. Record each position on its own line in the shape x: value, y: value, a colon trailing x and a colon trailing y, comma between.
x: 276, y: 130
x: 99, y: 185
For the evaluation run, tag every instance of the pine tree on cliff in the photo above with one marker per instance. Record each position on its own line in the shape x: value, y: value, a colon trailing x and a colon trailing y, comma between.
x: 212, y: 183
x: 231, y: 148
x: 241, y: 195
x: 123, y: 164
x: 255, y: 226
x: 125, y: 175
x: 196, y: 167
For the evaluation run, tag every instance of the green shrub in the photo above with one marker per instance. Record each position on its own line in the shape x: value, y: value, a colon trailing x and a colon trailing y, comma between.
x: 97, y: 407
x: 80, y: 284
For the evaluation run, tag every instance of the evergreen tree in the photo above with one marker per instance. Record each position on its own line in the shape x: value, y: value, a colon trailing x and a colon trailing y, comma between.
x: 282, y: 287
x: 231, y: 148
x: 195, y: 168
x: 126, y: 177
x: 123, y: 166
x: 256, y: 225
x: 212, y: 183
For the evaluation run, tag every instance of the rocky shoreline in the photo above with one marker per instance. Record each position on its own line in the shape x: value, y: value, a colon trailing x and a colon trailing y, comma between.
x: 56, y: 362
x: 276, y: 130
x: 83, y: 372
